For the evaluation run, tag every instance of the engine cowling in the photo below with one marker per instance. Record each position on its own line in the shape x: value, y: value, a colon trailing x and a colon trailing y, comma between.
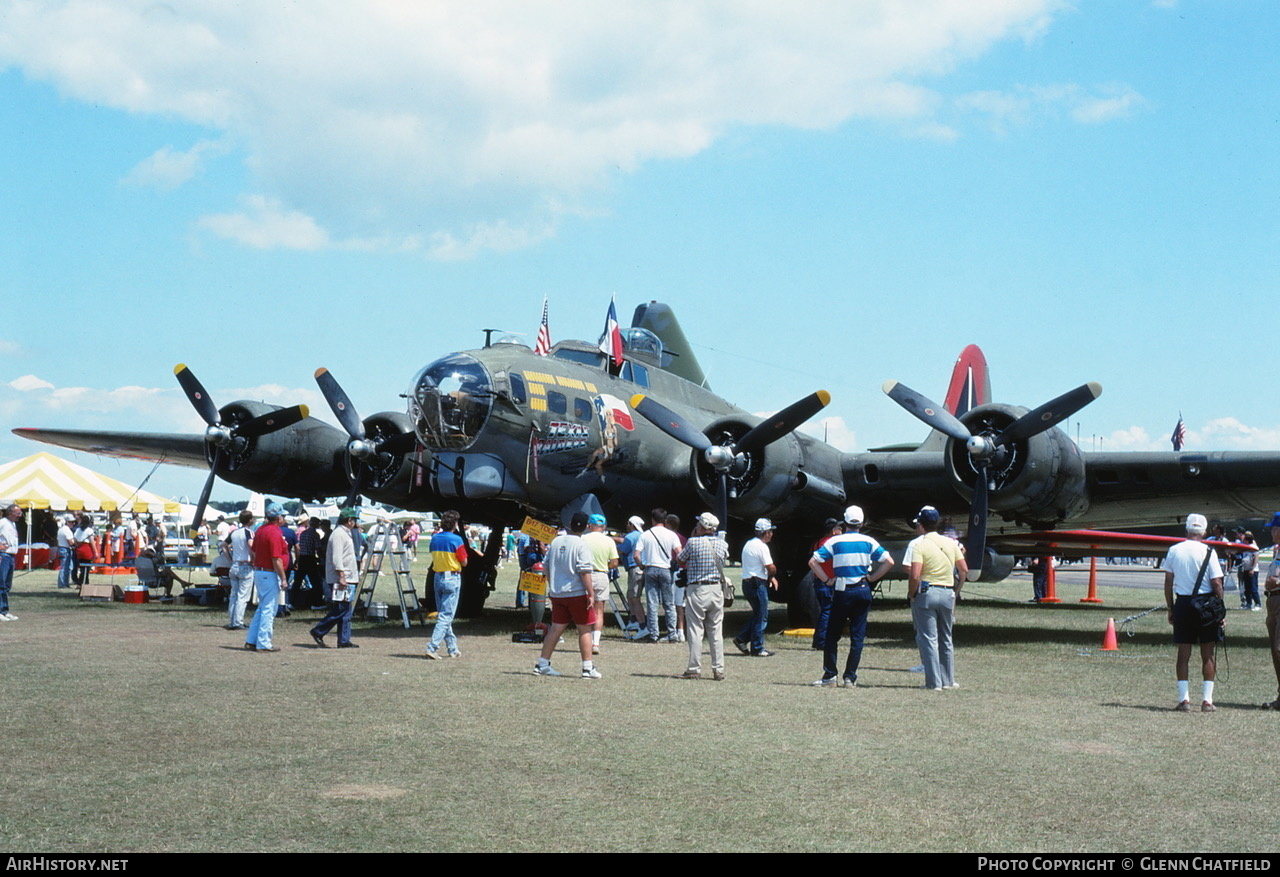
x: 1039, y: 481
x: 780, y: 480
x: 388, y: 476
x: 302, y: 460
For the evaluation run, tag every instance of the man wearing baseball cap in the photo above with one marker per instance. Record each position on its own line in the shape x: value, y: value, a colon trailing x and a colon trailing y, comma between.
x: 341, y: 574
x: 604, y: 557
x: 270, y: 555
x: 1191, y: 568
x: 758, y: 575
x: 852, y: 555
x: 932, y: 562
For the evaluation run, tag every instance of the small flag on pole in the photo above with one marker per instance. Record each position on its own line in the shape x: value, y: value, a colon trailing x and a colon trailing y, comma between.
x: 611, y: 339
x: 542, y: 346
x: 1179, y: 436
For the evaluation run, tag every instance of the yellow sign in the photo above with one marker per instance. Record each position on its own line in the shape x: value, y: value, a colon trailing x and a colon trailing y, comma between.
x: 533, y: 583
x: 538, y: 530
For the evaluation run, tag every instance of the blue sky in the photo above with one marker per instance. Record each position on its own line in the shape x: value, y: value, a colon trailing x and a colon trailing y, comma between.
x: 829, y: 195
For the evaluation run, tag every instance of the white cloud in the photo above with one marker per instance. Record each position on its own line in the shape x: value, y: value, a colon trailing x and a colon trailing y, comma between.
x: 1219, y: 434
x: 1027, y: 104
x: 456, y: 125
x: 9, y: 348
x: 26, y: 383
x: 167, y: 168
x: 266, y: 224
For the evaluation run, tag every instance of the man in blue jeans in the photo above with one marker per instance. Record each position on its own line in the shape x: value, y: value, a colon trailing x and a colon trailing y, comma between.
x: 759, y: 574
x: 8, y: 557
x: 448, y: 557
x: 852, y: 556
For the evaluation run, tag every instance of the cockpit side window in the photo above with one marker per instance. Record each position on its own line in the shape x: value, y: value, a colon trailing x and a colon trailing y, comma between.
x: 582, y: 409
x: 518, y: 394
x: 556, y: 402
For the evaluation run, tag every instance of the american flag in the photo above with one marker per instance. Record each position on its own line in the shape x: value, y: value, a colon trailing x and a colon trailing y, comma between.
x: 611, y: 340
x: 542, y: 346
x: 1179, y: 436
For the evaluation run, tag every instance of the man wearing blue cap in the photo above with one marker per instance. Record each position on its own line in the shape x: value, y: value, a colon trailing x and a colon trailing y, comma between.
x: 932, y: 561
x: 270, y: 555
x: 604, y: 557
x: 1272, y: 592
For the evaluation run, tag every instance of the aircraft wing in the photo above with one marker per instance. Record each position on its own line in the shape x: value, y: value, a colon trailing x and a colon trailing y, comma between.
x: 179, y: 449
x: 1137, y: 489
x: 1095, y: 543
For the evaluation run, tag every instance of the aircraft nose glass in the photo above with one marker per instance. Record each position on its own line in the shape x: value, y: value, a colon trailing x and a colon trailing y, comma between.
x: 451, y: 399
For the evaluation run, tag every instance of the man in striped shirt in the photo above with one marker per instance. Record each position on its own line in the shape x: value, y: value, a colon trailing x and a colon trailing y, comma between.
x: 853, y: 555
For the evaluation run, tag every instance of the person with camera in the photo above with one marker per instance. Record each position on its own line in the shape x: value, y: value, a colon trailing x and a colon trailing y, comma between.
x: 1193, y: 596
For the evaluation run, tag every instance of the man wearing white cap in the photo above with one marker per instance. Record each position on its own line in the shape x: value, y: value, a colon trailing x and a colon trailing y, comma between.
x: 758, y: 575
x: 704, y: 557
x: 1191, y: 569
x: 854, y: 556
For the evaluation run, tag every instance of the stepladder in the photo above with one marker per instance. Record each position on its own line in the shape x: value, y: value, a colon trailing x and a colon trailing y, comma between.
x: 386, y: 556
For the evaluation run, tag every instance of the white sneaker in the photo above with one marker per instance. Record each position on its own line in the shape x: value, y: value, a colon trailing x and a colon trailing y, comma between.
x: 591, y: 673
x: 431, y: 653
x: 826, y: 683
x: 8, y: 617
x: 547, y: 670
x: 952, y: 685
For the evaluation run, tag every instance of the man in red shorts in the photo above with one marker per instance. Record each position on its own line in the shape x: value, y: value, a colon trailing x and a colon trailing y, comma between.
x: 569, y: 567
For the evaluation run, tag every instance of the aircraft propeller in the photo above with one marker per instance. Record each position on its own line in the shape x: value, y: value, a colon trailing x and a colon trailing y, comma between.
x: 986, y: 448
x: 364, y: 450
x: 223, y: 436
x: 730, y: 457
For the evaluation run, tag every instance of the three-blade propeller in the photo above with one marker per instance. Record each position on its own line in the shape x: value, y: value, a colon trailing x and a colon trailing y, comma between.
x: 725, y: 458
x: 986, y: 448
x: 223, y: 436
x: 364, y: 450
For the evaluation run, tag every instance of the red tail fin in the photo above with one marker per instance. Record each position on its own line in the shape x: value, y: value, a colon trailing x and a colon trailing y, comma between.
x: 970, y: 383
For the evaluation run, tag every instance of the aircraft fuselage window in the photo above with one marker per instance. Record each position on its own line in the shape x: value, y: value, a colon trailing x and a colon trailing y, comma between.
x: 585, y: 357
x: 581, y: 409
x: 871, y: 472
x: 556, y: 402
x: 634, y: 372
x: 518, y: 394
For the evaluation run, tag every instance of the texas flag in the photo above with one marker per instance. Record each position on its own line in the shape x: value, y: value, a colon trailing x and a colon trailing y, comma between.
x: 611, y: 340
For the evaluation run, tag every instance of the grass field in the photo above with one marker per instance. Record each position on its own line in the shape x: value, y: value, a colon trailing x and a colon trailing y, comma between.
x: 137, y: 728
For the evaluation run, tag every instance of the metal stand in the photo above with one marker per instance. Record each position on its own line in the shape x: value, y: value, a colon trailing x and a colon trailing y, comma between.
x: 384, y: 540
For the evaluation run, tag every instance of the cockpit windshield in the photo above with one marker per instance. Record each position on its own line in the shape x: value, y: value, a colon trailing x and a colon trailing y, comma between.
x: 450, y: 401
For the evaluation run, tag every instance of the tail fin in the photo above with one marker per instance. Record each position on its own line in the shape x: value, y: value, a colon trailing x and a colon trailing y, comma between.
x: 678, y: 359
x: 970, y: 382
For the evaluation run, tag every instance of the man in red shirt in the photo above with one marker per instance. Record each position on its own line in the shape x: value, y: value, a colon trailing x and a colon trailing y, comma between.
x: 270, y: 557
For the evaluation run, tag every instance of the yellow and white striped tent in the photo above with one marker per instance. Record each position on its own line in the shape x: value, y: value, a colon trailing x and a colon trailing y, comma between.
x: 43, y: 481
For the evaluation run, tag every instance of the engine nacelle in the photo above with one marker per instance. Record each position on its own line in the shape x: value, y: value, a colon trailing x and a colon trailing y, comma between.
x: 389, y: 476
x: 1039, y: 481
x: 303, y: 460
x: 783, y: 479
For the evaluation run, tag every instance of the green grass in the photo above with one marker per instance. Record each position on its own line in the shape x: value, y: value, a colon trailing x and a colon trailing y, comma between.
x: 133, y: 728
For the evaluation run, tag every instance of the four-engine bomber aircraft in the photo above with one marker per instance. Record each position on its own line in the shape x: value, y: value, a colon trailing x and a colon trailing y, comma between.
x: 500, y: 432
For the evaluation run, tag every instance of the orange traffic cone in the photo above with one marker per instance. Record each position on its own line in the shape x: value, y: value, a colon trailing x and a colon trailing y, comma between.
x: 1109, y: 638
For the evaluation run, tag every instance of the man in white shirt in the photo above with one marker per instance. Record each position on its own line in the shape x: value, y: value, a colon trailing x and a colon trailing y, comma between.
x: 569, y: 568
x: 241, y: 574
x: 759, y: 575
x: 66, y: 552
x: 8, y: 556
x: 654, y: 554
x: 1191, y: 567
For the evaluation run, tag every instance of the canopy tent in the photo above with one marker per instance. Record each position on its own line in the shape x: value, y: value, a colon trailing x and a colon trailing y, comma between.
x: 43, y: 481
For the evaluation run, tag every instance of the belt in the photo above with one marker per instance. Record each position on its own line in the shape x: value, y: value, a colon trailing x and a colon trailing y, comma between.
x: 1275, y: 593
x: 260, y: 569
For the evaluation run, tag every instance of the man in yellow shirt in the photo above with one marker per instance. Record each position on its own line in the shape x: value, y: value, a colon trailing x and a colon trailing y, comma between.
x: 932, y: 588
x: 604, y: 557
